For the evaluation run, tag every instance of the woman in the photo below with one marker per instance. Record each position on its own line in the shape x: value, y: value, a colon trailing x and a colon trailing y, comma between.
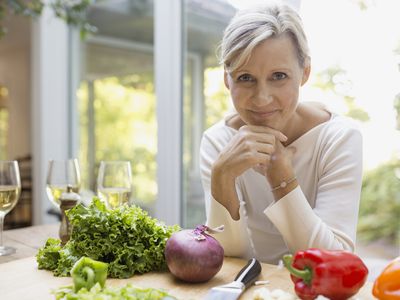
x: 279, y: 174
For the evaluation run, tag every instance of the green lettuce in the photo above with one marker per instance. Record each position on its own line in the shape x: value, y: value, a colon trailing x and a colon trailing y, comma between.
x: 113, y: 293
x: 126, y: 238
x: 49, y: 255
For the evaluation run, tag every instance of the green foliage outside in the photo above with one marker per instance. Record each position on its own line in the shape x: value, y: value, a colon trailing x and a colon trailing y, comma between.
x: 380, y: 198
x: 334, y: 79
x: 216, y: 104
x: 396, y: 105
x: 126, y: 126
x: 125, y: 129
x: 380, y: 204
x: 72, y: 12
x: 217, y: 98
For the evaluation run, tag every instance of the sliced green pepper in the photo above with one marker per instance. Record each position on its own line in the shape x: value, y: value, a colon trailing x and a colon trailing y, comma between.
x: 86, y: 272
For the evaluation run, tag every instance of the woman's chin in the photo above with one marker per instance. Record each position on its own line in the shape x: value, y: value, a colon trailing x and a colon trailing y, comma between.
x: 265, y: 123
x: 258, y: 120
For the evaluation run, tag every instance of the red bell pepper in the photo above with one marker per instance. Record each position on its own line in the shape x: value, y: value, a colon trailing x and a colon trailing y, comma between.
x: 334, y: 274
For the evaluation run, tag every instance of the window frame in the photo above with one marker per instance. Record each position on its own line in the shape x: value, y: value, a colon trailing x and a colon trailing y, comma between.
x: 55, y: 115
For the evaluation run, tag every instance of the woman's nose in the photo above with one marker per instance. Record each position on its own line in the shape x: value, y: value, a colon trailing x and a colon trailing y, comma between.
x: 262, y: 96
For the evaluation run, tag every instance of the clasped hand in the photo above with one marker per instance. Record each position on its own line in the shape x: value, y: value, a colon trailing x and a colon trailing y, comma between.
x: 260, y: 148
x: 255, y: 147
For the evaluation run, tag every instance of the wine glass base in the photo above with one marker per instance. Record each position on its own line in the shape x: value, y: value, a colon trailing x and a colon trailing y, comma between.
x: 6, y: 250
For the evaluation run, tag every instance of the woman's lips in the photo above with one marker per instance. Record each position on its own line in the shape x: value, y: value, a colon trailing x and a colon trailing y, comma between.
x: 263, y: 114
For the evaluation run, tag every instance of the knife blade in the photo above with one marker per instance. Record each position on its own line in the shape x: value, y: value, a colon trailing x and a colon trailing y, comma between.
x: 232, y: 291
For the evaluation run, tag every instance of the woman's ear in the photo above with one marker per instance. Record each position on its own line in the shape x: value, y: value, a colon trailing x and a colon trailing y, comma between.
x: 226, y: 80
x: 306, y: 71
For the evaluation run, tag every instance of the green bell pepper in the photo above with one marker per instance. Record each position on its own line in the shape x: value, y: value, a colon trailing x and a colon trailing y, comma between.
x: 86, y: 272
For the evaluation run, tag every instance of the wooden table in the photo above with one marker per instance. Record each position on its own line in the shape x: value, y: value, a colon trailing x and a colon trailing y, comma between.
x: 20, y: 278
x: 27, y: 240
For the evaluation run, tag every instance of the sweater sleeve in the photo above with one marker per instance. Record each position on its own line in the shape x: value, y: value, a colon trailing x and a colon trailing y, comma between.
x: 332, y: 223
x: 234, y: 238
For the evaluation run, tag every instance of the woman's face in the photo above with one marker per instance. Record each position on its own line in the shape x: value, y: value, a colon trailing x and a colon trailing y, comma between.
x: 265, y: 90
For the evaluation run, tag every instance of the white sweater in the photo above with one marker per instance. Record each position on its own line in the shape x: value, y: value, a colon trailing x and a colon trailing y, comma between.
x: 321, y: 212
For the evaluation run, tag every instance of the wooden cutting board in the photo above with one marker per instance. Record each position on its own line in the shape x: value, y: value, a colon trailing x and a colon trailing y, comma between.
x: 20, y: 279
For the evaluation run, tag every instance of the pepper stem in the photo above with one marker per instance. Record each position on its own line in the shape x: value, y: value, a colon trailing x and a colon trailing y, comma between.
x: 305, y: 274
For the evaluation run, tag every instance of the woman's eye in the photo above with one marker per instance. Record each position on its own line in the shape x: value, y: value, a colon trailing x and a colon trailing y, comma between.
x: 279, y: 76
x: 245, y: 77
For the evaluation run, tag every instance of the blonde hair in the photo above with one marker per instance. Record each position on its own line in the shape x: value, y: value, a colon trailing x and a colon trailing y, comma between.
x: 250, y: 27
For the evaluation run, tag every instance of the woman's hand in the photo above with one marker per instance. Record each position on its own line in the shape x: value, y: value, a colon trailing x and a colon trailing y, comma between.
x: 280, y: 169
x: 251, y: 146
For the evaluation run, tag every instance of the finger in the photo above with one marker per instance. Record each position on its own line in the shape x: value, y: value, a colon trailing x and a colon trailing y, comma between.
x: 265, y: 148
x: 264, y: 138
x: 263, y: 129
x: 261, y: 158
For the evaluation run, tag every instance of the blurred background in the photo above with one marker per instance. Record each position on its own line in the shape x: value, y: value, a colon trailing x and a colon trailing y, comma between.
x: 147, y: 83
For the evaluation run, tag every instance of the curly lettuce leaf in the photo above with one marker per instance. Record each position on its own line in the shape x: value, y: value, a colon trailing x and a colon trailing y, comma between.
x: 49, y: 255
x: 126, y: 238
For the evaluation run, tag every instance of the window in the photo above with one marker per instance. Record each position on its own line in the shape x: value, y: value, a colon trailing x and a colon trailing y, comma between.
x: 116, y: 95
x: 205, y: 98
x: 116, y: 99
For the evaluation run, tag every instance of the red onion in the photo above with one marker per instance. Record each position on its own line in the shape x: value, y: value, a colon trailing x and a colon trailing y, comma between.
x: 193, y: 255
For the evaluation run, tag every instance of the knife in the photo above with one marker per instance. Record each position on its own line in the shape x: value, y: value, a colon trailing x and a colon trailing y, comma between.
x: 232, y: 291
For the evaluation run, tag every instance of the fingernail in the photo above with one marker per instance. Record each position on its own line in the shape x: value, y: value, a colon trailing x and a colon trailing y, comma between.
x: 284, y: 138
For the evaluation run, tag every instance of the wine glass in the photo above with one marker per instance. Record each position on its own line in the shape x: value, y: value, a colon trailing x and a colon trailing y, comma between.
x: 10, y: 190
x: 114, y: 183
x: 60, y: 175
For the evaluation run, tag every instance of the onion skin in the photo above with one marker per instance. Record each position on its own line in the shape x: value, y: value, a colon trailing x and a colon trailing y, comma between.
x: 192, y: 259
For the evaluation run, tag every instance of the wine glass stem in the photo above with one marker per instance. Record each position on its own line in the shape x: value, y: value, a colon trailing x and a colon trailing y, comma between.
x: 1, y: 229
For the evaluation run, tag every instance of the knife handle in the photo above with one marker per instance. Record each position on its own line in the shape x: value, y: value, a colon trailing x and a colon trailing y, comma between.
x: 249, y: 273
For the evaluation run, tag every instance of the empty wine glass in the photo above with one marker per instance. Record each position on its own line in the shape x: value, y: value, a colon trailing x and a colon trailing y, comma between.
x: 60, y: 175
x: 10, y: 190
x: 114, y: 183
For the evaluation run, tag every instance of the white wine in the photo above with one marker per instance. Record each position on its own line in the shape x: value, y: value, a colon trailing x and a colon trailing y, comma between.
x: 9, y: 195
x: 115, y: 197
x: 54, y: 192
